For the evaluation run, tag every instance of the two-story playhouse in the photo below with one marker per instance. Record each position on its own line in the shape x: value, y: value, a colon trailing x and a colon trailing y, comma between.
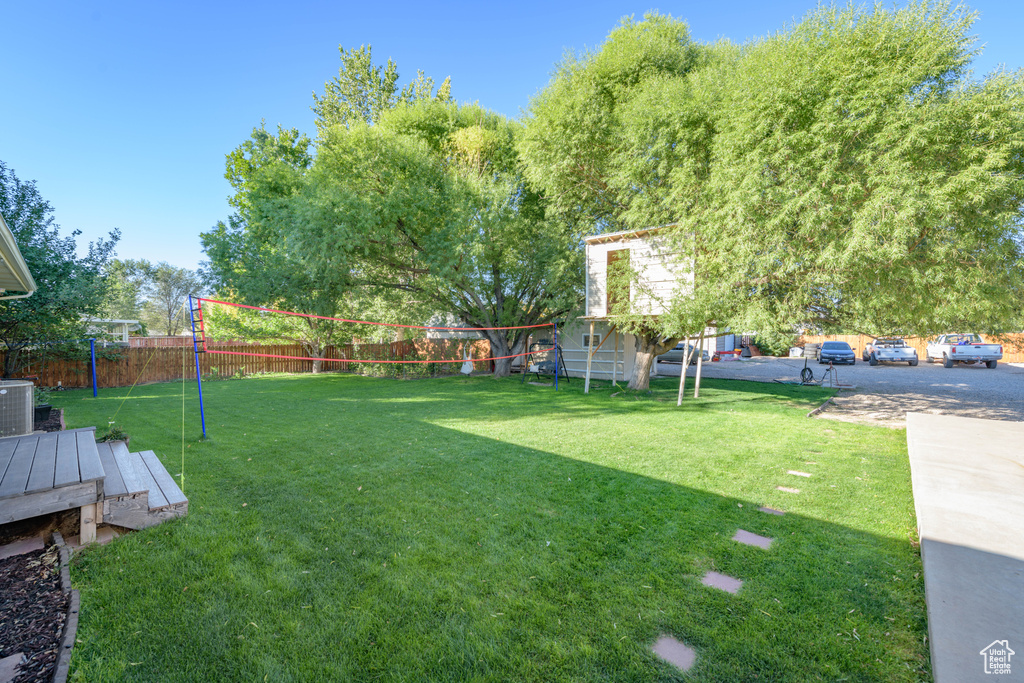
x: 660, y: 275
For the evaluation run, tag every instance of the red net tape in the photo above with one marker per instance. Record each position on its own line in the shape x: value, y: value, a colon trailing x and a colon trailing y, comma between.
x: 371, y: 360
x: 368, y: 322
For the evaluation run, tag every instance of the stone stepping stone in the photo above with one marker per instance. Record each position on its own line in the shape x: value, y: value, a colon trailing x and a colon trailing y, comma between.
x: 747, y: 538
x: 675, y: 652
x: 771, y: 511
x: 798, y: 474
x: 723, y: 582
x: 25, y: 545
x: 787, y: 489
x: 9, y: 667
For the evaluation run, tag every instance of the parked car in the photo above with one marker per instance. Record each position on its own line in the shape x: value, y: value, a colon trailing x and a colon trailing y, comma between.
x: 836, y: 352
x: 889, y: 349
x: 963, y: 348
x: 677, y: 354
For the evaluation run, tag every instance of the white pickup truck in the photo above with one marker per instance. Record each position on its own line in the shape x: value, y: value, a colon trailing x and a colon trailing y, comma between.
x: 963, y: 348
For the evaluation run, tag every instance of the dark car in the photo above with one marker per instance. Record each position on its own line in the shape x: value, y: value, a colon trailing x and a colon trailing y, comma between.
x: 836, y: 352
x: 681, y: 350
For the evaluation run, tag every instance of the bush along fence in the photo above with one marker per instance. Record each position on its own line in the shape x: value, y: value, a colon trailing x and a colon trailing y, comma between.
x: 1013, y: 344
x: 121, y: 367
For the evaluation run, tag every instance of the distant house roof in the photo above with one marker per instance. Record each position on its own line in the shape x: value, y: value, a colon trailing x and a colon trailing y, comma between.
x: 14, y: 275
x: 625, y: 235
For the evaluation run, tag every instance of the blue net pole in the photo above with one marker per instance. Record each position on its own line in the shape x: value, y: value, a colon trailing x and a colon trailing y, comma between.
x: 195, y: 353
x: 556, y: 355
x: 92, y: 356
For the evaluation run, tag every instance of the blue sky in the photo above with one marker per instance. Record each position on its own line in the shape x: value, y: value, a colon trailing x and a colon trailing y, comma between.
x: 123, y: 111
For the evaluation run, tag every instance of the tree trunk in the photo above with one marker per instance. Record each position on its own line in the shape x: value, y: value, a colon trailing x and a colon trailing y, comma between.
x: 316, y: 353
x: 500, y: 347
x: 648, y: 348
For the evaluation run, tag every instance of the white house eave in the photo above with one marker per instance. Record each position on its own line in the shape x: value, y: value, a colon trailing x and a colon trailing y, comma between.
x: 14, y: 273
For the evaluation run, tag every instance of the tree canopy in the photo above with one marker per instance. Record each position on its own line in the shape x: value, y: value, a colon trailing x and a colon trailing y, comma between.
x: 848, y: 173
x: 430, y: 201
x: 863, y: 179
x: 406, y: 201
x: 618, y: 136
x: 69, y: 286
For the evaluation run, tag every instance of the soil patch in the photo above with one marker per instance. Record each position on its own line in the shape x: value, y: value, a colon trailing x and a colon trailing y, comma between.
x: 55, y: 423
x: 32, y: 612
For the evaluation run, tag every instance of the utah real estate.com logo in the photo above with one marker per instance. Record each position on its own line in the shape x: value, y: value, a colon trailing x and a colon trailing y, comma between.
x: 997, y: 657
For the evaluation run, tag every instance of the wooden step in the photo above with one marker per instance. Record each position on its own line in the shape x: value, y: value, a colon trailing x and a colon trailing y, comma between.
x: 140, y: 491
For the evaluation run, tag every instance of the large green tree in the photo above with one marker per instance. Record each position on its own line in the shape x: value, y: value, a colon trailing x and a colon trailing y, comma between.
x: 617, y: 136
x: 363, y: 91
x: 430, y: 201
x: 847, y: 173
x: 251, y: 259
x: 69, y: 286
x: 167, y: 291
x: 862, y: 178
x: 125, y: 281
x: 410, y: 204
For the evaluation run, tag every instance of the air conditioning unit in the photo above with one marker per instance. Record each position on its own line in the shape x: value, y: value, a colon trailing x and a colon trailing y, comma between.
x: 17, y: 407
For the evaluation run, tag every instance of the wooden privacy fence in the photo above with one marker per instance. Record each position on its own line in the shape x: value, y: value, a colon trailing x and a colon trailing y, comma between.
x: 1013, y: 344
x: 126, y: 366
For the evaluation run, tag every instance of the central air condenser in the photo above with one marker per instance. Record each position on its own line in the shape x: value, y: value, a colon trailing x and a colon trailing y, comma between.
x: 16, y: 407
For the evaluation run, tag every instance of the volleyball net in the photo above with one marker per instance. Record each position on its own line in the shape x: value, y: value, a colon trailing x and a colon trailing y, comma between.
x: 233, y: 329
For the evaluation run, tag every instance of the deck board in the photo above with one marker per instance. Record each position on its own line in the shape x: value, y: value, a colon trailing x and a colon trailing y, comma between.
x: 16, y: 479
x: 133, y: 480
x: 89, y: 465
x: 66, y: 471
x: 156, y: 497
x: 113, y: 484
x: 7, y: 447
x: 44, y: 465
x: 170, y: 490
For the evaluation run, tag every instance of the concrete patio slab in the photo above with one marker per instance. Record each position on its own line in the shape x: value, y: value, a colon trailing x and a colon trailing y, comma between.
x: 747, y: 538
x: 676, y: 653
x: 20, y: 547
x: 968, y: 479
x: 722, y: 582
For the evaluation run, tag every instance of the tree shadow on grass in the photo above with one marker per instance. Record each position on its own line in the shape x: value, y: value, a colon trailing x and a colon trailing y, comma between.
x: 430, y: 553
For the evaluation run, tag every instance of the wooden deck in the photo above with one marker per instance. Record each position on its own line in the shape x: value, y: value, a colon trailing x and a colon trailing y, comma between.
x: 46, y: 473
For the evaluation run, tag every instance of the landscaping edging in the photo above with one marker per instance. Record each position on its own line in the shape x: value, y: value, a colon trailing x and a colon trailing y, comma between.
x: 820, y: 408
x: 67, y: 640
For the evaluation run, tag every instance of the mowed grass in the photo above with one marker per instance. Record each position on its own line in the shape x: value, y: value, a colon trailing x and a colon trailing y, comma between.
x: 344, y: 528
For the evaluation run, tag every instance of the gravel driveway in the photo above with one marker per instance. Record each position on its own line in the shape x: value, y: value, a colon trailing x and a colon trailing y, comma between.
x: 886, y: 392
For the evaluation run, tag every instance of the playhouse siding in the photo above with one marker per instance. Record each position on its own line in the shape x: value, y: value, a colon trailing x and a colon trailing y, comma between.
x: 659, y: 270
x: 570, y: 338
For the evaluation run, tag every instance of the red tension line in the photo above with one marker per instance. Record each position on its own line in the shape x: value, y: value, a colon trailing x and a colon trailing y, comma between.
x: 362, y: 360
x: 367, y: 322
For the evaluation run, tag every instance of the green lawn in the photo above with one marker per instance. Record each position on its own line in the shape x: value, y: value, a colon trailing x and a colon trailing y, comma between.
x: 344, y: 528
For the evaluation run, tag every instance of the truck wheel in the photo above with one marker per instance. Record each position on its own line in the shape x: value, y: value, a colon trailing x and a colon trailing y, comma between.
x: 912, y: 363
x: 872, y: 360
x: 927, y: 358
x: 947, y: 362
x: 991, y: 364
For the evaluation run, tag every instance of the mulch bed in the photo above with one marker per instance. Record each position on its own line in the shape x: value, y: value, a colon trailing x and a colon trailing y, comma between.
x: 33, y: 609
x: 54, y: 423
